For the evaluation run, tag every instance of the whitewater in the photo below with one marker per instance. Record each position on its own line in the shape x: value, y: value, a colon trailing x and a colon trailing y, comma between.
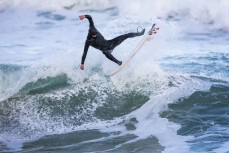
x: 173, y: 97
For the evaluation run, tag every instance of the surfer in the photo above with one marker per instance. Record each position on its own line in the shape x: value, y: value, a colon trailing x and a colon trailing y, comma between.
x: 96, y: 40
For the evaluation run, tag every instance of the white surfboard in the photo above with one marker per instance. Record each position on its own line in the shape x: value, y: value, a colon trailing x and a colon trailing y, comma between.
x: 138, y: 47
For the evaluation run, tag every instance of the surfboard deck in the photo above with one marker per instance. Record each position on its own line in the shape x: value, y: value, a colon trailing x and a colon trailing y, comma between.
x: 137, y: 49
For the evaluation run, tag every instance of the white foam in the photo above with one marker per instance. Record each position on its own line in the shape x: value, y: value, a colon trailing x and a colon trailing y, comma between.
x: 190, y: 11
x: 13, y: 143
x: 52, y: 4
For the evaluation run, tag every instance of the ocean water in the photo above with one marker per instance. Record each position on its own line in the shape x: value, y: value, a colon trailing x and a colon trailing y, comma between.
x: 173, y: 97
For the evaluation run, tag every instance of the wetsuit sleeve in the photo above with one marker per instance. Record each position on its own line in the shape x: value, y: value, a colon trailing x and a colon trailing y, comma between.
x: 90, y: 20
x: 86, y: 46
x: 92, y: 29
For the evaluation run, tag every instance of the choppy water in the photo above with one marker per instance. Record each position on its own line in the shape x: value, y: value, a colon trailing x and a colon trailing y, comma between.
x: 173, y: 97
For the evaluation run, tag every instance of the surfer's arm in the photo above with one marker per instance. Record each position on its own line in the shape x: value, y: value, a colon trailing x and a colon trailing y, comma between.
x: 89, y: 19
x: 86, y: 46
x: 92, y: 29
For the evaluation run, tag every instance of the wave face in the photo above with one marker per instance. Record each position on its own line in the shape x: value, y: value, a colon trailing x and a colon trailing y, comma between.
x: 201, y: 114
x: 172, y: 97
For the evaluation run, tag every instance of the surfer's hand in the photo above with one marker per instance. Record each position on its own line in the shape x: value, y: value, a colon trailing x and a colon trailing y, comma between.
x: 82, y: 66
x: 82, y: 17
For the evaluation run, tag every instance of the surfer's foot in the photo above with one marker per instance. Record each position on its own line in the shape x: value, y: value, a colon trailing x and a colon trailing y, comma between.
x: 142, y: 32
x: 119, y: 63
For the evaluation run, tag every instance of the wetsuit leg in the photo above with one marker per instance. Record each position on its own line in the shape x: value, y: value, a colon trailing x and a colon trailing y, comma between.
x: 111, y: 57
x: 118, y: 40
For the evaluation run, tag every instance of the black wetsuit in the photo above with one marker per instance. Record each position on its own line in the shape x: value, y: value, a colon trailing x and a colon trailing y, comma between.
x: 96, y: 40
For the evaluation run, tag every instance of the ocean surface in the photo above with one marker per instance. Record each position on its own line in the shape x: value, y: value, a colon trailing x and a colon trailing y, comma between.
x: 173, y: 97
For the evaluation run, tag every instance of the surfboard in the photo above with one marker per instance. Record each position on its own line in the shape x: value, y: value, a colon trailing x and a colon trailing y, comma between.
x: 148, y: 37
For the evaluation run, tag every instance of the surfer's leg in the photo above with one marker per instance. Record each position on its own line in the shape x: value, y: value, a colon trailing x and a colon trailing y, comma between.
x: 118, y: 40
x: 111, y: 57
